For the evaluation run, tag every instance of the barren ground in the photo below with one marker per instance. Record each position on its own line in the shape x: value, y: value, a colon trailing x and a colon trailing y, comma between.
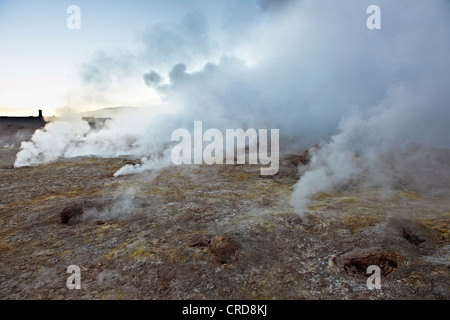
x: 212, y: 232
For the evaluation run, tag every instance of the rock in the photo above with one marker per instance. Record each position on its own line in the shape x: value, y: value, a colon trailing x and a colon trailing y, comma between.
x: 224, y: 248
x: 195, y: 208
x: 198, y: 240
x: 134, y: 162
x: 304, y: 158
x: 289, y: 165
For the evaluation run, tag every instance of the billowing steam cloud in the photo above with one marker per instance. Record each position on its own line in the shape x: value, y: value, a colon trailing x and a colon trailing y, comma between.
x: 152, y: 79
x: 359, y: 150
x: 311, y: 69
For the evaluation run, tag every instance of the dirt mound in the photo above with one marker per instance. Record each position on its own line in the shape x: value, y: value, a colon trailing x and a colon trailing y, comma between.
x: 304, y: 158
x: 198, y: 240
x: 223, y: 248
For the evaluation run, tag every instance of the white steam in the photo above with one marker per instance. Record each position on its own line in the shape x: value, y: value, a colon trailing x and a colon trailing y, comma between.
x: 311, y: 69
x: 157, y: 162
x: 360, y: 149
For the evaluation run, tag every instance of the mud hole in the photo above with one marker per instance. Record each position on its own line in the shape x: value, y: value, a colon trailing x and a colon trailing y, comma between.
x: 102, y: 210
x: 411, y: 237
x: 355, y: 263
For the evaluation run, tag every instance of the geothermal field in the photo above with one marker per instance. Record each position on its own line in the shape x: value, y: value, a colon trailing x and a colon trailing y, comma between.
x: 217, y: 232
x: 225, y: 150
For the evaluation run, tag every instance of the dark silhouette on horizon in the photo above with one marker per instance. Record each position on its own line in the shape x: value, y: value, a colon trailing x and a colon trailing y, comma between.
x: 30, y: 122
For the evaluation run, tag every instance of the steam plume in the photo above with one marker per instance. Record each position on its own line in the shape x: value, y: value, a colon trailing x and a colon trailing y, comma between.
x: 312, y: 69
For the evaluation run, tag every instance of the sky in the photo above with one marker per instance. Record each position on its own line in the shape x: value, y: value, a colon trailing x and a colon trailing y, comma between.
x: 41, y: 60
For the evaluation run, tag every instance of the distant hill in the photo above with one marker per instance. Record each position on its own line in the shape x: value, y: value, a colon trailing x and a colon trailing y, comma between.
x: 113, y: 111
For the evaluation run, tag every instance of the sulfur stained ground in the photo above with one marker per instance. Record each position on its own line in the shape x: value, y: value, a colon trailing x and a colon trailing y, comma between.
x: 146, y: 252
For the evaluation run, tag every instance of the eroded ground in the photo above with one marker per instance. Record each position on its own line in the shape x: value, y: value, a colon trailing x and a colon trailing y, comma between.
x: 212, y: 232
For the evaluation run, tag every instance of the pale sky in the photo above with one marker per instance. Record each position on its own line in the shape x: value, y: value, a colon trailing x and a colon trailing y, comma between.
x: 41, y: 59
